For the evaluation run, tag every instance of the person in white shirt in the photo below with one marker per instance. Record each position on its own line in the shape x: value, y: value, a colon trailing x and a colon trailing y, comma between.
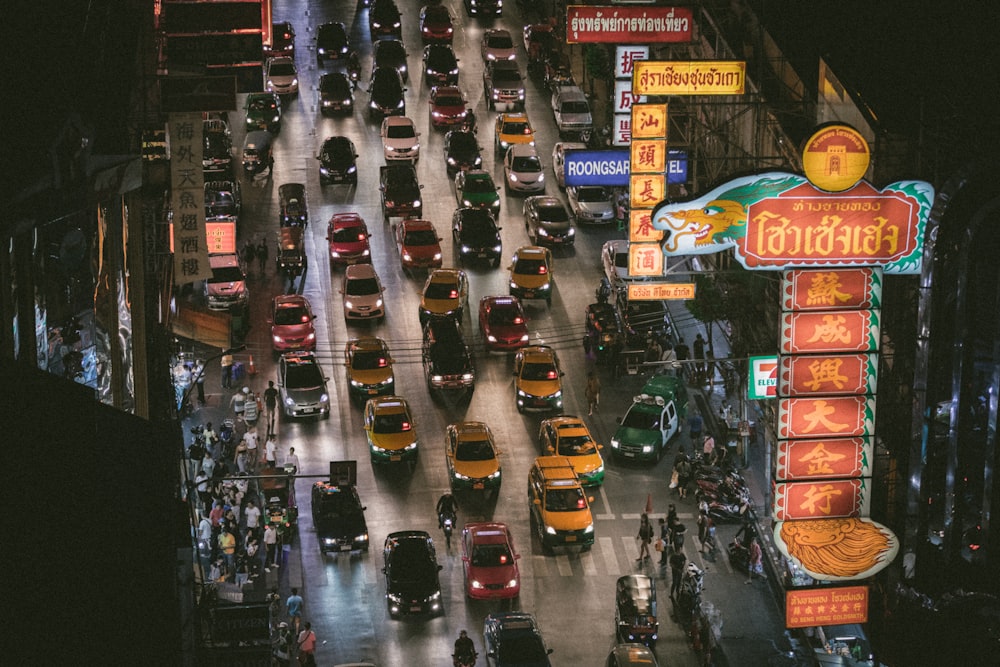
x: 252, y: 515
x: 270, y: 452
x: 291, y: 458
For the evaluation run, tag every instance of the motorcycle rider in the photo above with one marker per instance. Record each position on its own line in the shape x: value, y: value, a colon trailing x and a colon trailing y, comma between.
x: 446, y: 504
x: 353, y: 68
x: 465, y: 650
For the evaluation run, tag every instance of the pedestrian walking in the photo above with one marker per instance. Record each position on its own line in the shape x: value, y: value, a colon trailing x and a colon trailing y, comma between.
x: 240, y: 457
x: 251, y: 514
x: 677, y: 563
x: 682, y: 350
x: 644, y: 536
x: 698, y: 347
x: 708, y: 449
x: 593, y: 391
x: 205, y: 533
x: 695, y: 424
x: 663, y: 544
x: 271, y: 404
x: 252, y: 548
x: 293, y: 605
x: 227, y: 546
x: 683, y: 477
x: 307, y: 646
x: 198, y: 373
x: 292, y: 459
x: 239, y: 402
x: 283, y: 647
x: 201, y: 481
x: 227, y: 371
x: 208, y: 464
x: 270, y: 452
x: 262, y: 256
x: 755, y: 565
x: 249, y: 253
x: 251, y: 439
x: 251, y: 409
x: 270, y: 547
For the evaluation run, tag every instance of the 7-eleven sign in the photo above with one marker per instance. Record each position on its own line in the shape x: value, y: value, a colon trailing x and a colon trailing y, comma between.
x: 763, y: 378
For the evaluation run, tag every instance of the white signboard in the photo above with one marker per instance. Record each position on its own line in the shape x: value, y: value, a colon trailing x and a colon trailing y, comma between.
x: 624, y: 99
x: 625, y: 56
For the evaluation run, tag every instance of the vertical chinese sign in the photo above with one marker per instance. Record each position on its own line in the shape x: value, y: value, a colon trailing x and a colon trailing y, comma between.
x: 187, y: 198
x: 625, y: 58
x: 647, y: 187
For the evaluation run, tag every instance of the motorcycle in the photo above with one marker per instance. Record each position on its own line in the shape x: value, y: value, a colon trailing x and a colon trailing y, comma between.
x: 739, y: 555
x: 448, y: 520
x: 689, y: 598
x: 465, y: 660
x: 729, y: 512
x: 730, y: 489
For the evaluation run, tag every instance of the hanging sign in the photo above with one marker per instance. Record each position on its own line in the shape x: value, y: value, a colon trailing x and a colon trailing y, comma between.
x: 823, y: 458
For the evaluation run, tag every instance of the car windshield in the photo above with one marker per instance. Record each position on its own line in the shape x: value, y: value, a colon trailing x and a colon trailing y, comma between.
x: 553, y: 213
x: 216, y: 143
x: 462, y: 141
x: 539, y: 371
x: 367, y: 360
x: 526, y: 164
x: 505, y: 316
x: 499, y: 41
x: 621, y: 260
x: 348, y: 235
x: 575, y: 106
x: 449, y: 101
x: 361, y: 287
x: 525, y: 650
x: 530, y: 267
x: 220, y: 202
x: 262, y: 105
x: 395, y: 422
x: 302, y: 376
x: 333, y: 85
x: 642, y: 419
x: 516, y: 127
x: 491, y: 555
x: 506, y: 76
x: 565, y: 500
x: 338, y: 504
x: 479, y: 185
x: 282, y: 69
x: 400, y: 131
x: 411, y: 563
x: 474, y: 450
x: 478, y: 226
x: 226, y: 274
x: 441, y: 291
x: 592, y: 194
x: 293, y: 315
x: 576, y: 445
x: 420, y: 237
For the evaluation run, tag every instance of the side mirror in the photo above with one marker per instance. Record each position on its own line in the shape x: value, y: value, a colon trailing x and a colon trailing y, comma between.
x: 363, y: 508
x: 590, y: 499
x: 537, y: 501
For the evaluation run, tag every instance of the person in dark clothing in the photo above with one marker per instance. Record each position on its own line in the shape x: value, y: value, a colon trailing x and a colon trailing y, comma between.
x: 677, y: 562
x: 699, y: 353
x: 464, y: 647
x: 249, y: 252
x: 664, y: 540
x: 682, y: 350
x: 446, y: 503
x: 262, y: 256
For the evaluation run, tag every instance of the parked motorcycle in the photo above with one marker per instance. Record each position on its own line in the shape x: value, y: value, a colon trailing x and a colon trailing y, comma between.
x: 739, y: 555
x: 689, y: 598
x: 729, y: 512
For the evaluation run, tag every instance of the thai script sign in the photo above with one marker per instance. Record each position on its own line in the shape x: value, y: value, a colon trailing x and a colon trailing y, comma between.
x: 692, y: 77
x: 832, y: 374
x: 806, y: 608
x: 187, y: 198
x: 615, y: 24
x: 829, y: 331
x: 660, y: 291
x: 822, y: 499
x: 823, y: 458
x: 607, y: 167
x: 827, y: 290
x: 763, y: 378
x: 845, y: 416
x: 778, y: 220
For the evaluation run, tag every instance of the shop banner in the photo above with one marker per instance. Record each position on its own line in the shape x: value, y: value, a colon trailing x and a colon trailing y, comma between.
x: 844, y: 416
x: 843, y: 549
x: 614, y: 24
x: 823, y: 458
x: 830, y: 374
x: 829, y: 331
x: 826, y: 499
x: 850, y: 289
x: 187, y: 198
x: 807, y: 608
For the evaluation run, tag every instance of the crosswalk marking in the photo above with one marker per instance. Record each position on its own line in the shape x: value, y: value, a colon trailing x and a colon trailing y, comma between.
x: 587, y: 559
x: 565, y: 568
x: 607, y: 548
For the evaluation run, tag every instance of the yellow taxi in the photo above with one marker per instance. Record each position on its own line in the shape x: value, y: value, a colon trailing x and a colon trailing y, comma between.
x: 560, y: 509
x: 369, y: 368
x: 513, y: 128
x: 472, y: 457
x: 537, y: 379
x: 389, y: 428
x: 445, y: 294
x: 531, y: 273
x: 568, y: 436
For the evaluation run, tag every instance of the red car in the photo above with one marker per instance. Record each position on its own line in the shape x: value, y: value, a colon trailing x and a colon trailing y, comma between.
x: 419, y: 244
x: 292, y: 324
x: 490, y: 562
x: 348, y: 235
x: 501, y: 319
x: 436, y: 25
x: 447, y: 106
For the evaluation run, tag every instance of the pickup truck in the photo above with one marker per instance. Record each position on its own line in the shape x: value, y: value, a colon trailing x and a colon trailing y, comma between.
x: 503, y: 85
x: 652, y: 420
x: 400, y: 191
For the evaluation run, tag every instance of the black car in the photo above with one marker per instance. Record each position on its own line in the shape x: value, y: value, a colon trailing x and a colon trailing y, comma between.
x: 512, y: 639
x: 461, y: 152
x: 476, y: 235
x: 282, y: 40
x: 411, y: 574
x: 400, y: 191
x: 390, y: 53
x: 337, y: 161
x: 383, y: 20
x: 217, y: 156
x: 386, y: 93
x: 335, y: 93
x: 332, y: 42
x: 337, y: 512
x: 446, y: 358
x: 440, y: 65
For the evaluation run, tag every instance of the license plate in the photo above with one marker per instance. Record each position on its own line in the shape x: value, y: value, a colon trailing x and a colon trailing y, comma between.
x: 373, y: 391
x: 629, y: 454
x: 571, y: 538
x: 395, y: 457
x: 415, y: 608
x: 482, y: 254
x: 529, y: 293
x: 345, y: 547
x: 477, y: 485
x: 362, y: 314
x: 306, y: 411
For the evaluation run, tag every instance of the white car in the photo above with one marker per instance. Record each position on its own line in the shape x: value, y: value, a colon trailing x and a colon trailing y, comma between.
x: 362, y: 292
x: 280, y: 76
x: 591, y: 204
x: 522, y: 169
x: 400, y: 139
x: 559, y: 159
x: 498, y: 45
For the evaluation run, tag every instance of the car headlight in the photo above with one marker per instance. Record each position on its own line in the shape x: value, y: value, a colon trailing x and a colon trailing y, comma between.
x: 521, y: 393
x: 459, y: 475
x: 497, y: 248
x: 376, y: 25
x: 589, y: 529
x: 351, y: 170
x: 542, y: 231
x: 277, y: 339
x: 407, y: 257
x: 435, y: 596
x: 550, y: 530
x: 571, y: 232
x: 324, y: 171
x: 429, y: 71
x: 276, y: 119
x: 323, y: 398
x: 466, y: 249
x: 311, y: 336
x: 557, y: 394
x: 466, y: 202
x: 475, y: 584
x: 468, y: 377
x: 491, y: 338
x: 363, y: 537
x: 390, y: 380
x: 647, y: 449
x: 437, y: 256
x: 541, y: 177
x: 399, y: 105
x: 295, y: 82
x: 396, y: 25
x: 504, y: 144
x: 451, y: 160
x: 511, y: 584
x: 321, y: 50
x: 349, y: 305
x: 343, y: 49
x: 544, y: 287
x: 411, y: 446
x: 495, y: 204
x: 356, y: 383
x: 270, y: 83
x: 615, y: 443
x: 493, y: 475
x: 453, y: 72
x: 329, y: 541
x: 393, y: 597
x: 289, y: 401
x: 416, y: 202
x: 524, y: 338
x: 513, y: 285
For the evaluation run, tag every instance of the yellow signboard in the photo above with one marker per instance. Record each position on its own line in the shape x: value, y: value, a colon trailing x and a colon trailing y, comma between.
x: 660, y: 291
x: 640, y: 226
x: 649, y: 121
x: 695, y: 77
x: 648, y: 156
x: 647, y: 190
x: 645, y: 259
x: 835, y: 158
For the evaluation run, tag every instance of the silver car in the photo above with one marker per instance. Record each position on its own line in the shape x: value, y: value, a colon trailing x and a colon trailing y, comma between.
x: 547, y: 221
x: 281, y: 76
x: 302, y: 386
x: 591, y: 204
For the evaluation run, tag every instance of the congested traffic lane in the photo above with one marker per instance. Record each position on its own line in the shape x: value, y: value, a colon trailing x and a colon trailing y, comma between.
x: 570, y: 593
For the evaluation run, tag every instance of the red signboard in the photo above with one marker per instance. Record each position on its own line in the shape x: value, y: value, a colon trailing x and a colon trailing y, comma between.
x: 806, y: 608
x: 823, y: 458
x: 843, y: 416
x: 829, y: 331
x: 831, y: 289
x: 616, y: 24
x: 826, y: 374
x: 804, y: 226
x: 826, y: 499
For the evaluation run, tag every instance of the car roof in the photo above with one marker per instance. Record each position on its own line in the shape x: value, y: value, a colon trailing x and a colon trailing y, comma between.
x: 290, y: 300
x: 522, y: 150
x: 544, y: 200
x: 366, y: 343
x: 412, y: 224
x: 397, y: 120
x: 445, y: 275
x: 346, y: 220
x: 358, y: 271
x: 395, y: 403
x: 532, y: 251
